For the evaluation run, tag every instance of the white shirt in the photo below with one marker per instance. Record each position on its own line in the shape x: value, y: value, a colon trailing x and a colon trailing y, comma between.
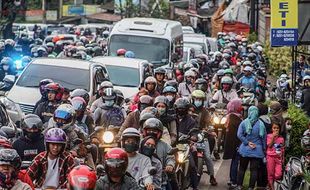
x: 52, y: 174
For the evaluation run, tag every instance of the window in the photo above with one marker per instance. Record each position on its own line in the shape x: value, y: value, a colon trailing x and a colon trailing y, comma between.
x: 124, y: 76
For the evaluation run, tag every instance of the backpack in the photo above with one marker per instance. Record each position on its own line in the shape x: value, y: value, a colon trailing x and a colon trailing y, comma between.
x: 113, y: 116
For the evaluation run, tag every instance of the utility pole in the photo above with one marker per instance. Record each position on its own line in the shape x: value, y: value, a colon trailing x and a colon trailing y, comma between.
x: 60, y: 9
x: 44, y: 11
x: 252, y: 16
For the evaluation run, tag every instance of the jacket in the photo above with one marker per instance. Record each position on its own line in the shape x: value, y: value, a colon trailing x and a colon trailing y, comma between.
x: 185, y: 90
x: 231, y: 140
x: 305, y: 103
x: 28, y: 149
x: 132, y: 120
x: 45, y: 110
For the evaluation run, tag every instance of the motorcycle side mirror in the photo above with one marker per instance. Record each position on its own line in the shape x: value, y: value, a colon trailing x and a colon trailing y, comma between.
x: 152, y: 171
x: 9, y: 79
x: 99, y: 129
x: 127, y: 100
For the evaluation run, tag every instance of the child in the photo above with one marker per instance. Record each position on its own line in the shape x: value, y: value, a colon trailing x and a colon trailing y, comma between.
x: 275, y: 154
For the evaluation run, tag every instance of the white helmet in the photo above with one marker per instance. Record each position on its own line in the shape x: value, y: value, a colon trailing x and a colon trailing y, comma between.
x: 190, y: 73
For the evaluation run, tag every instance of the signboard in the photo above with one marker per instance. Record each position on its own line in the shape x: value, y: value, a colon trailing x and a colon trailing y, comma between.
x: 69, y: 10
x: 284, y: 23
x: 51, y: 15
x: 75, y: 10
x: 34, y: 15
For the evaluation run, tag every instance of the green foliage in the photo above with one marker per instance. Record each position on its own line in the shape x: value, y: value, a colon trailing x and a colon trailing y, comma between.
x: 299, y: 124
x: 34, y: 4
x: 252, y: 38
x: 164, y: 13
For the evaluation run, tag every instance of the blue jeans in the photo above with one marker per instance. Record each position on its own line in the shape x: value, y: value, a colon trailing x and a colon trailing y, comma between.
x: 234, y: 168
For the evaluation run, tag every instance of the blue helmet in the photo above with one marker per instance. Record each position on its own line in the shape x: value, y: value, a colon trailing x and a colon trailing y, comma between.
x: 130, y: 54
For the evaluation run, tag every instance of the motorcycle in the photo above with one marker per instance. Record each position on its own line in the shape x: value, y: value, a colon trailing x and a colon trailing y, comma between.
x: 182, y: 163
x: 200, y: 146
x: 248, y: 99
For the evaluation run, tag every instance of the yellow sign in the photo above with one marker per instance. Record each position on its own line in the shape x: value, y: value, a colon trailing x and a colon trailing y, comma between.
x: 284, y: 13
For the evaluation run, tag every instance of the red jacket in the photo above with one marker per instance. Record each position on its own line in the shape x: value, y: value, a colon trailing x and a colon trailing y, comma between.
x: 24, y: 177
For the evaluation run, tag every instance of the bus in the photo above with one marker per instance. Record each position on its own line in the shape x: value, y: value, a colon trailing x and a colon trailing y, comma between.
x: 156, y: 40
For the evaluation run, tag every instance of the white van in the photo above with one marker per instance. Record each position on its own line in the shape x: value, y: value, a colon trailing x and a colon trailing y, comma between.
x: 156, y: 40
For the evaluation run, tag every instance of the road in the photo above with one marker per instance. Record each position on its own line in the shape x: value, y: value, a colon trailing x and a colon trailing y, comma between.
x: 221, y: 168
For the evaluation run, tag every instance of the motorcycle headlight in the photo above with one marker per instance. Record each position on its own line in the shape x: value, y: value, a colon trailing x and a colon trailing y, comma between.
x: 200, y: 137
x: 216, y: 120
x: 108, y: 137
x: 9, y: 104
x: 181, y: 157
x: 223, y: 120
x: 18, y: 64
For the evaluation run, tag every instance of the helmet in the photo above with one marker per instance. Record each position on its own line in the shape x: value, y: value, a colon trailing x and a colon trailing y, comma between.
x: 116, y: 162
x: 187, y: 66
x: 201, y: 84
x: 229, y: 52
x: 108, y: 94
x: 25, y: 60
x: 169, y: 89
x: 119, y: 97
x: 78, y: 104
x: 150, y: 80
x: 172, y: 83
x: 159, y: 70
x: 145, y: 116
x: 307, y: 77
x: 190, y: 73
x: 247, y: 63
x: 182, y: 103
x: 305, y: 141
x: 106, y: 84
x: 228, y: 71
x: 224, y: 65
x: 130, y: 54
x: 80, y: 93
x: 218, y: 55
x: 252, y: 57
x: 161, y: 99
x: 120, y: 52
x: 64, y: 116
x: 6, y: 61
x: 220, y: 72
x: 260, y: 48
x: 10, y: 157
x: 42, y: 85
x: 195, y: 63
x: 248, y: 68
x: 42, y: 52
x: 50, y: 44
x: 82, y: 177
x: 226, y: 80
x: 231, y: 45
x: 131, y: 132
x: 153, y: 123
x: 97, y: 51
x: 198, y: 94
x: 105, y: 34
x: 31, y: 121
x: 146, y: 99
x: 9, y: 42
x: 55, y: 135
x: 55, y: 87
x: 244, y: 40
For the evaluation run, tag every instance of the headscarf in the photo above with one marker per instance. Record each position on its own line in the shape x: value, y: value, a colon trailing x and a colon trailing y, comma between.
x: 275, y: 108
x: 252, y: 118
x: 234, y: 107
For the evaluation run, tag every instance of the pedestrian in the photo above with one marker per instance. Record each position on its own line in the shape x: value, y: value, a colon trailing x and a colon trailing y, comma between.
x: 252, y: 134
x: 234, y: 118
x: 276, y: 112
x: 275, y: 154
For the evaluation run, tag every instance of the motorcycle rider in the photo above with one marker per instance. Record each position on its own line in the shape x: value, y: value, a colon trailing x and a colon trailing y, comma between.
x: 116, y: 163
x: 82, y: 178
x: 108, y: 113
x: 32, y: 142
x: 43, y: 91
x: 83, y: 120
x: 46, y: 109
x: 99, y: 100
x: 305, y: 104
x: 226, y: 93
x: 248, y: 80
x: 154, y: 127
x: 80, y: 93
x: 7, y: 67
x: 138, y: 164
x: 203, y: 85
x: 150, y: 84
x: 51, y: 167
x: 159, y: 74
x: 171, y: 94
x: 202, y: 117
x: 9, y: 170
x: 216, y: 80
x: 169, y: 121
x: 185, y: 88
x: 185, y: 121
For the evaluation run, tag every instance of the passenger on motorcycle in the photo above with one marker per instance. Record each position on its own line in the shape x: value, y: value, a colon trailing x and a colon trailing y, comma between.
x: 170, y: 93
x: 109, y: 114
x: 117, y: 177
x: 203, y: 85
x: 99, y: 100
x: 159, y: 74
x: 80, y: 93
x: 216, y: 80
x: 202, y: 117
x: 32, y: 142
x: 138, y: 164
x: 147, y: 148
x: 9, y: 170
x: 82, y: 178
x: 45, y: 109
x: 153, y: 127
x: 150, y: 84
x: 51, y: 167
x: 248, y: 80
x: 186, y: 88
x: 43, y: 91
x: 169, y: 121
x: 83, y: 120
x: 305, y: 103
x: 226, y: 93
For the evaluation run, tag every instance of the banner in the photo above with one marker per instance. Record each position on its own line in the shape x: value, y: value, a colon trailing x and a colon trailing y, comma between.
x: 284, y: 23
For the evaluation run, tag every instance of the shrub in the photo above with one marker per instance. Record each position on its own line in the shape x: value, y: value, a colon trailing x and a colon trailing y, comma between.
x: 299, y: 124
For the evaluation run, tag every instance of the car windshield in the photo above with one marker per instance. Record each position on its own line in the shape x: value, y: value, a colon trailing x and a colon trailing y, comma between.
x: 155, y: 50
x: 68, y: 77
x: 198, y: 47
x: 124, y: 76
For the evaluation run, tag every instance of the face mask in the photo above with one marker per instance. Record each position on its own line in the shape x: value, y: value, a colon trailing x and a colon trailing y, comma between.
x: 108, y: 103
x: 188, y: 81
x: 148, y: 151
x: 161, y: 111
x: 226, y: 87
x: 33, y: 136
x: 244, y: 44
x: 182, y: 113
x: 198, y: 103
x: 170, y: 98
x: 131, y: 147
x: 5, y: 67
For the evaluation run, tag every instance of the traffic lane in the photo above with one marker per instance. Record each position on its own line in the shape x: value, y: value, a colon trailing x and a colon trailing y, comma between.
x: 221, y: 169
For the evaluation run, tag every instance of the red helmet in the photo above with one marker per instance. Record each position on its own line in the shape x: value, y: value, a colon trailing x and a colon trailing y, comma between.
x: 5, y: 144
x: 82, y: 178
x: 121, y: 52
x: 56, y: 88
x: 116, y: 162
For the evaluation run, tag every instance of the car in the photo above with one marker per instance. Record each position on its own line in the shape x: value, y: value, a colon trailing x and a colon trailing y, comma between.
x: 126, y: 74
x: 70, y: 73
x: 198, y: 39
x: 188, y: 30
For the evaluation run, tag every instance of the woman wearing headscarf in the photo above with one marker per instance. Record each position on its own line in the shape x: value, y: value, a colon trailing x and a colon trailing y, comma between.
x: 234, y: 118
x: 276, y: 112
x: 252, y: 134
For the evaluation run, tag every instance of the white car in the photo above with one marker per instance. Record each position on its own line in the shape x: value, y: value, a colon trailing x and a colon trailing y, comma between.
x: 70, y: 73
x: 188, y: 30
x: 126, y: 74
x: 197, y: 39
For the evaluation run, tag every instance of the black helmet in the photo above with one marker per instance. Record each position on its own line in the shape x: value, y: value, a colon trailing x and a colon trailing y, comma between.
x: 10, y: 157
x: 201, y: 84
x: 108, y: 94
x: 155, y: 124
x: 160, y: 70
x: 80, y: 93
x: 161, y: 99
x: 119, y: 97
x: 182, y: 103
x: 252, y: 57
x: 31, y: 121
x: 42, y: 85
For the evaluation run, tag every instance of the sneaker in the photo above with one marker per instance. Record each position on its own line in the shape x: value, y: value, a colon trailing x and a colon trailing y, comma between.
x: 216, y: 155
x: 229, y: 183
x: 213, y: 181
x: 233, y: 186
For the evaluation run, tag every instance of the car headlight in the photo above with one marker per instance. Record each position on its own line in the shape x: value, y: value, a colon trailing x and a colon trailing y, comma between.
x: 216, y: 120
x: 108, y: 137
x: 9, y: 104
x: 181, y: 157
x: 223, y: 120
